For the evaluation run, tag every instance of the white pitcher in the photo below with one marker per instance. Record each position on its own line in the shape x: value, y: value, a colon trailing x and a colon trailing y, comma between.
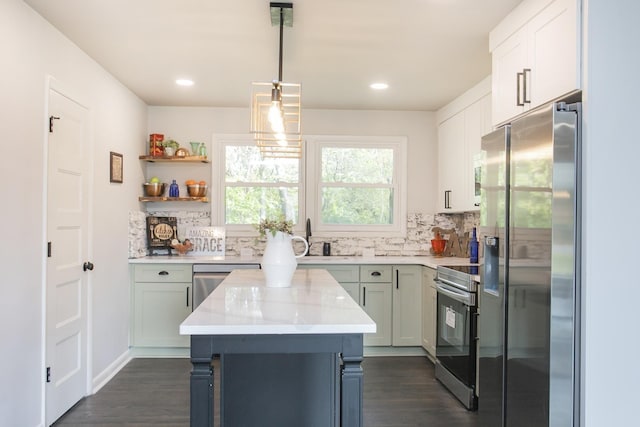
x: 279, y: 262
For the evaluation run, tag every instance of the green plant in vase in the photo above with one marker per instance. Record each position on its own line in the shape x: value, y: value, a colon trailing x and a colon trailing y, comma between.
x: 274, y: 225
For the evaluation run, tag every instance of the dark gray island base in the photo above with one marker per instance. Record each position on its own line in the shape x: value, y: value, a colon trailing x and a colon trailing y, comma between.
x: 278, y: 379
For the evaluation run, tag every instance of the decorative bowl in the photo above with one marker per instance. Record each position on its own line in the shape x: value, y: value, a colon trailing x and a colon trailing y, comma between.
x: 154, y: 189
x: 197, y: 190
x: 181, y: 152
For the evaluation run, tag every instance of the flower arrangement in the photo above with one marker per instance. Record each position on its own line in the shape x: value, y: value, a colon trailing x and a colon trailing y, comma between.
x: 286, y: 226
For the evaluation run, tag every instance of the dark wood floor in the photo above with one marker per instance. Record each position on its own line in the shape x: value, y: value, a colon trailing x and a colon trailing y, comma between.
x: 398, y: 392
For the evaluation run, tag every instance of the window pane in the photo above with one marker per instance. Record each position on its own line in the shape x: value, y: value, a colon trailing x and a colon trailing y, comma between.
x: 357, y: 165
x: 367, y: 206
x: 243, y: 163
x: 247, y: 205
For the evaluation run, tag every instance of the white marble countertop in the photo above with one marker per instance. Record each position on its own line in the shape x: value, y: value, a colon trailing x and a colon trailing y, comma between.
x: 428, y: 261
x: 243, y: 305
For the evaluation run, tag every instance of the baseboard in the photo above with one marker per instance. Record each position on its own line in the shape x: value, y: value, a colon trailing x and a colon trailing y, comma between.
x: 105, y: 376
x: 375, y: 351
x: 162, y: 352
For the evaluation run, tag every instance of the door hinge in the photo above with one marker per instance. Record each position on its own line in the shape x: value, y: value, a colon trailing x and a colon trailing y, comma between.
x: 51, y: 119
x: 48, y: 374
x: 48, y: 249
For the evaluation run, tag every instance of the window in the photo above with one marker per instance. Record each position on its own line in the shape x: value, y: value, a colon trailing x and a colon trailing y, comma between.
x: 360, y: 184
x: 355, y: 185
x: 251, y: 188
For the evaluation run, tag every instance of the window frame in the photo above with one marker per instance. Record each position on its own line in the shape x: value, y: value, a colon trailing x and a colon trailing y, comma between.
x: 309, y: 188
x: 398, y: 144
x: 218, y: 202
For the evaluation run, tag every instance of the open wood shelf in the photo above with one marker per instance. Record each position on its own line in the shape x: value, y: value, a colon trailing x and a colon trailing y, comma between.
x: 175, y: 159
x: 173, y: 199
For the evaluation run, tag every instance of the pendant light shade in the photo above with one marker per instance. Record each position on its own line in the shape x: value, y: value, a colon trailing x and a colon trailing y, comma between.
x: 275, y: 106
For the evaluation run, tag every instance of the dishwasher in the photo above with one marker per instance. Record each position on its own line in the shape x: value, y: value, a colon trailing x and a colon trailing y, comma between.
x: 206, y: 277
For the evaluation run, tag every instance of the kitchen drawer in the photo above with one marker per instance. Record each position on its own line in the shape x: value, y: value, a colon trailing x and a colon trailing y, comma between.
x: 375, y: 273
x: 159, y: 273
x: 342, y: 273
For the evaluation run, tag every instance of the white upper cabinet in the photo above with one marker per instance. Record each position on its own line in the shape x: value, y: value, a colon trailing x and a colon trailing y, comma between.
x: 461, y: 126
x: 535, y: 56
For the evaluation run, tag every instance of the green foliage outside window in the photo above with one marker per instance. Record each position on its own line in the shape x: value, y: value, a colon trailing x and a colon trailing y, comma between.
x: 356, y: 186
x: 258, y: 188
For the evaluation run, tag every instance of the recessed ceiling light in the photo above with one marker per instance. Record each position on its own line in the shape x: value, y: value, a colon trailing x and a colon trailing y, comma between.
x: 379, y: 86
x: 184, y: 82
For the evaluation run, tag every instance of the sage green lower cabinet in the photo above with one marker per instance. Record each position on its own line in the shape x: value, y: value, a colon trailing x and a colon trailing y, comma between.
x: 161, y: 300
x: 347, y: 275
x: 390, y: 295
x: 375, y: 300
x: 429, y: 299
x: 407, y: 305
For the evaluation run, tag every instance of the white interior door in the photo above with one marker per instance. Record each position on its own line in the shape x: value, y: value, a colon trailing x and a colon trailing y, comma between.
x: 67, y: 227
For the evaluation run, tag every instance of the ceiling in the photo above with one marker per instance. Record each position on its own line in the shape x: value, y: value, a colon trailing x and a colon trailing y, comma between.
x: 428, y: 51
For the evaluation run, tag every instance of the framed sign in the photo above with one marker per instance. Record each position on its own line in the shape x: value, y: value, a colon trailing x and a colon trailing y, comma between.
x: 115, y: 167
x: 206, y: 240
x: 160, y: 232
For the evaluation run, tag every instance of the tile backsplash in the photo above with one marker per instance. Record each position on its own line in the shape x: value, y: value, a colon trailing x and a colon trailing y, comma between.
x: 420, y: 231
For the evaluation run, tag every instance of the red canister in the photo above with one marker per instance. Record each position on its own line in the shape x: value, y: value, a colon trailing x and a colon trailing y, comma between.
x: 155, y: 145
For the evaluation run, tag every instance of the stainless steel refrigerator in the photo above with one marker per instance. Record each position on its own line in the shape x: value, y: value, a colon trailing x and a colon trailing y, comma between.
x: 530, y: 231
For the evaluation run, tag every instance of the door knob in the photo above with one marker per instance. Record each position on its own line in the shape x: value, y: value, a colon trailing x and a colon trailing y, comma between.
x: 87, y: 266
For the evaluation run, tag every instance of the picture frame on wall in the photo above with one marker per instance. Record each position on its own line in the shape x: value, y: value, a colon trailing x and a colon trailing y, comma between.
x: 115, y: 167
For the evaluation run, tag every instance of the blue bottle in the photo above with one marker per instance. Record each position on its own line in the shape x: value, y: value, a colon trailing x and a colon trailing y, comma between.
x: 174, y: 190
x: 473, y: 247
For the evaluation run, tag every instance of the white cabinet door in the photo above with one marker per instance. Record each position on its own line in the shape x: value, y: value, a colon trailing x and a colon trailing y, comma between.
x: 539, y: 62
x: 407, y: 305
x: 476, y: 116
x: 508, y: 59
x: 375, y: 299
x: 158, y: 310
x: 458, y: 142
x: 451, y: 168
x: 429, y: 311
x: 553, y: 52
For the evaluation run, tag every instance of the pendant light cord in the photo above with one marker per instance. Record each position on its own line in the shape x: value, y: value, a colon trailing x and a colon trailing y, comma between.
x: 281, y: 37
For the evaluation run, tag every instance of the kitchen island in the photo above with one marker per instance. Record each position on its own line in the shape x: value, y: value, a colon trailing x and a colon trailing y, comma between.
x: 284, y: 352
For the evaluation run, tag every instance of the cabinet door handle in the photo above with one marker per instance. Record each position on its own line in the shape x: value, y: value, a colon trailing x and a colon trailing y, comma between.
x: 519, y: 78
x: 163, y: 273
x: 447, y: 199
x: 376, y: 273
x: 525, y: 92
x: 364, y: 296
x: 397, y: 279
x: 187, y: 296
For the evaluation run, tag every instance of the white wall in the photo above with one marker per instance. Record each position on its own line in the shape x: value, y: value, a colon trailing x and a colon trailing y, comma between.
x: 199, y: 124
x: 30, y: 50
x: 611, y: 148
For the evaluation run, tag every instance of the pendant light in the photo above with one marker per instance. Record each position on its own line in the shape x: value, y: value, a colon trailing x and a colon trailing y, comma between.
x: 275, y: 106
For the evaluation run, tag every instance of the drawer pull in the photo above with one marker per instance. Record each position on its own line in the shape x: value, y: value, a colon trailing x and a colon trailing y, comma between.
x: 163, y: 273
x: 376, y: 274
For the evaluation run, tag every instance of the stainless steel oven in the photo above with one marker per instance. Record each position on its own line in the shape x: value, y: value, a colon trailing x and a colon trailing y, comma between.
x: 457, y: 332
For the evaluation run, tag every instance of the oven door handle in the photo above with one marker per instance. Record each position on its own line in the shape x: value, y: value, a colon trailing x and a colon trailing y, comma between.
x: 442, y: 280
x: 458, y: 295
